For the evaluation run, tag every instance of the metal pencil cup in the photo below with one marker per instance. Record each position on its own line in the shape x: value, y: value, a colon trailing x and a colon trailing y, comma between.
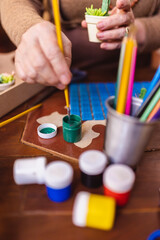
x: 126, y: 137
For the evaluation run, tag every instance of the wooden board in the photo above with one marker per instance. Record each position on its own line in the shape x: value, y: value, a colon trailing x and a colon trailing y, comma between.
x: 20, y: 91
x: 57, y: 146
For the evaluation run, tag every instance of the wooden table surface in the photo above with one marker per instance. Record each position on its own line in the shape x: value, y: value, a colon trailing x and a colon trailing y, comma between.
x: 27, y: 213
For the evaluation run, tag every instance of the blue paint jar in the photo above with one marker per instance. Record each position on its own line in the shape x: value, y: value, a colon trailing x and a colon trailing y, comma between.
x: 58, y: 179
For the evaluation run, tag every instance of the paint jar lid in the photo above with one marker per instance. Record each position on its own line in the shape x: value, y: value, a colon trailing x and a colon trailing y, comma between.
x: 29, y: 170
x: 119, y: 178
x: 92, y: 162
x: 47, y: 130
x: 58, y: 174
x: 80, y: 209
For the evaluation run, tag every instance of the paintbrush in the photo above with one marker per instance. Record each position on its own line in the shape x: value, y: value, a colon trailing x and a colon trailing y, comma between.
x: 19, y: 115
x: 55, y: 9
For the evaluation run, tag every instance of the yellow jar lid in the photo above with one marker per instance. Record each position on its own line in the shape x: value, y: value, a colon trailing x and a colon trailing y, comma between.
x: 101, y: 212
x: 92, y: 210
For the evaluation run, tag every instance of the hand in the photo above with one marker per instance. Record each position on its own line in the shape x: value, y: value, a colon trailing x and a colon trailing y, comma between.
x: 113, y: 28
x: 39, y: 59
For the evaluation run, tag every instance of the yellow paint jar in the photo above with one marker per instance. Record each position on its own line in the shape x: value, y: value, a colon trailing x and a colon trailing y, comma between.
x: 92, y: 210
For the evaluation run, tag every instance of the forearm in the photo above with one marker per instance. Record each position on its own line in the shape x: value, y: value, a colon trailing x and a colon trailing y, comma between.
x: 17, y: 16
x: 148, y: 33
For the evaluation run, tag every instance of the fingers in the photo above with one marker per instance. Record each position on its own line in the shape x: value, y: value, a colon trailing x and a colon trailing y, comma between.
x: 111, y: 34
x: 110, y: 45
x: 116, y: 20
x: 39, y: 59
x: 54, y: 55
x: 84, y: 24
x: 123, y: 4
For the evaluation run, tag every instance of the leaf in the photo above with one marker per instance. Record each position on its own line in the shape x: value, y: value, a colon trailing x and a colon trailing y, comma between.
x: 95, y: 11
x: 105, y: 6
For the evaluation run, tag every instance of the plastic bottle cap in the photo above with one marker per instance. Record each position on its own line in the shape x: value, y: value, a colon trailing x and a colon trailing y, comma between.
x: 119, y: 178
x: 58, y: 174
x: 29, y: 170
x: 92, y: 162
x: 51, y: 130
x: 80, y: 209
x: 155, y: 235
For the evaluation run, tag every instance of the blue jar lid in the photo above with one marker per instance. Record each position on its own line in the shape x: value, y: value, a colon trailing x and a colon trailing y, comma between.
x: 58, y: 174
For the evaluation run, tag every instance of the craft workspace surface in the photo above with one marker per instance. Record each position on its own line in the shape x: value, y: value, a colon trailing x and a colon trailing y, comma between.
x: 27, y: 213
x: 88, y: 101
x: 53, y: 112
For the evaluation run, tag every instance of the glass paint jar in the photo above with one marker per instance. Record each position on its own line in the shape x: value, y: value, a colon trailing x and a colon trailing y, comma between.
x: 92, y: 164
x: 118, y: 180
x: 95, y: 211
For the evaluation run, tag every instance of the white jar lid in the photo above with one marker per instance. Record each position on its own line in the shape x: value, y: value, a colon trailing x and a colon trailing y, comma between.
x: 119, y: 178
x: 92, y: 162
x: 58, y: 174
x: 29, y: 170
x: 80, y: 209
x: 47, y: 135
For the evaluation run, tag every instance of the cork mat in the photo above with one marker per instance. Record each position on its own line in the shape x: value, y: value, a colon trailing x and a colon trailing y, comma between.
x: 93, y: 132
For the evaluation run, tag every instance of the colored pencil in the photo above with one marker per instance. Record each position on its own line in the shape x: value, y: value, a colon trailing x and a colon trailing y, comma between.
x: 147, y: 101
x: 154, y: 111
x: 150, y: 107
x: 122, y: 96
x: 156, y: 116
x: 131, y: 80
x: 56, y: 15
x: 19, y: 115
x: 154, y: 81
x: 120, y: 67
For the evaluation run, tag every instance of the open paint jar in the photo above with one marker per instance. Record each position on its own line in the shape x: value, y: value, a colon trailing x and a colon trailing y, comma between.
x: 118, y: 180
x: 92, y: 210
x: 58, y: 179
x: 47, y: 130
x: 29, y: 170
x: 92, y: 164
x: 72, y: 128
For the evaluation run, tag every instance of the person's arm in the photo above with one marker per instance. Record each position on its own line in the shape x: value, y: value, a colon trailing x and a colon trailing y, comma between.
x: 148, y: 32
x: 38, y: 58
x: 17, y: 16
x: 112, y: 29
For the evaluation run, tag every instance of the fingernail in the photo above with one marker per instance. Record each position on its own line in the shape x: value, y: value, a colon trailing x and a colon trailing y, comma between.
x: 100, y: 35
x: 61, y: 86
x: 100, y: 25
x: 64, y: 79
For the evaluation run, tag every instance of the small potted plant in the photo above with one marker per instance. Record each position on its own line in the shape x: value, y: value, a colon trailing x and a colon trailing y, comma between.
x: 93, y: 16
x: 6, y: 80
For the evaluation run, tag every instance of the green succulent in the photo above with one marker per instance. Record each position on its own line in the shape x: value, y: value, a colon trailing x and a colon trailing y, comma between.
x: 105, y: 6
x: 99, y: 11
x: 4, y: 78
x: 142, y: 93
x: 95, y: 11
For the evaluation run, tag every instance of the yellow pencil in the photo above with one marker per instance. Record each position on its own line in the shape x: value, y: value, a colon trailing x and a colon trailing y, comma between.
x: 55, y: 8
x: 19, y: 115
x: 122, y: 96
